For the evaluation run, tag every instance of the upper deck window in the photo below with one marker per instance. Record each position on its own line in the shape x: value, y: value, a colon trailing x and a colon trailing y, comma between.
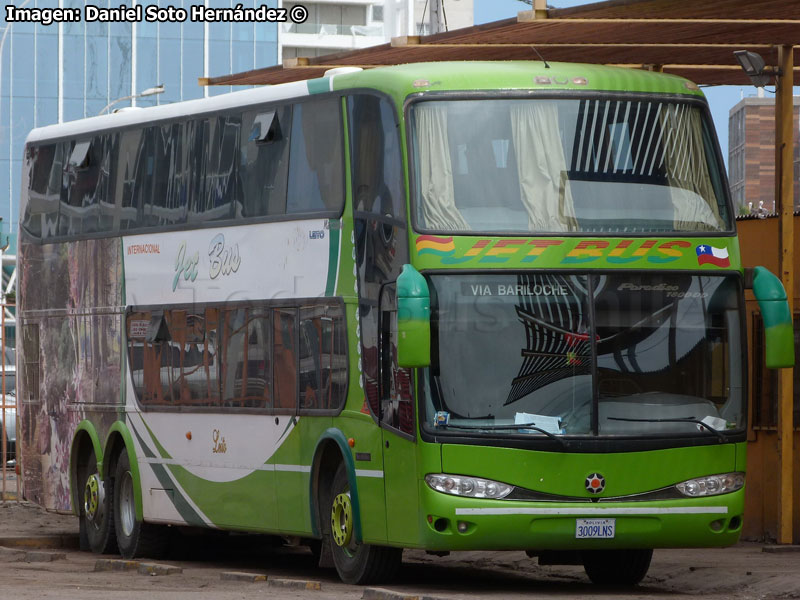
x: 562, y: 166
x: 259, y: 163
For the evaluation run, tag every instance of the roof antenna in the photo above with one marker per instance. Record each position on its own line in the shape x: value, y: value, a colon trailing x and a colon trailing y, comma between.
x: 546, y: 66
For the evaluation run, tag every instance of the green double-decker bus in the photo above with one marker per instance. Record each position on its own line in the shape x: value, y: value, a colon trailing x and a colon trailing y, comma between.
x: 445, y: 306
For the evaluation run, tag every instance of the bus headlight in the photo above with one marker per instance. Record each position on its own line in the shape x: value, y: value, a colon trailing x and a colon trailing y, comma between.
x: 711, y: 485
x: 472, y: 487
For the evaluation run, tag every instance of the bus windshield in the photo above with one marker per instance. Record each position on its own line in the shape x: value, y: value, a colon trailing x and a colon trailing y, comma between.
x: 616, y: 354
x: 611, y: 165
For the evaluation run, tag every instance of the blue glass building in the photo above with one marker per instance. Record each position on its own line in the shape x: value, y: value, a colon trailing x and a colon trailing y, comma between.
x: 67, y: 71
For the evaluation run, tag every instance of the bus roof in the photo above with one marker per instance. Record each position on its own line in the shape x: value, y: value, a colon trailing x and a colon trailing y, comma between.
x: 398, y: 81
x: 402, y: 80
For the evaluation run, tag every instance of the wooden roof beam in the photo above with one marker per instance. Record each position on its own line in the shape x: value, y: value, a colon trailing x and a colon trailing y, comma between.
x: 524, y: 17
x: 424, y: 46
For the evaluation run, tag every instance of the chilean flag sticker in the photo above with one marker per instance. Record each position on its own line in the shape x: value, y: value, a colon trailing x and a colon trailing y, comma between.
x: 710, y: 255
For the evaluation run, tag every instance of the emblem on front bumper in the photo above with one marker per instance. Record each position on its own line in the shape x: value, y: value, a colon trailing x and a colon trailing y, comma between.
x: 595, y: 483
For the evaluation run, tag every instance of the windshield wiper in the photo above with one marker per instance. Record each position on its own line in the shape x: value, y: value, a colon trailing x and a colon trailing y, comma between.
x: 719, y: 434
x: 517, y: 426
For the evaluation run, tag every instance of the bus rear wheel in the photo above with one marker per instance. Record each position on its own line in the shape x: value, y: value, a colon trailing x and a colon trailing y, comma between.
x: 616, y: 567
x: 134, y: 537
x: 356, y: 563
x: 96, y: 511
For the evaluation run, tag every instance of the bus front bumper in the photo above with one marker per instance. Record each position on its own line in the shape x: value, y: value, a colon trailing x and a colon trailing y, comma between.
x: 458, y: 523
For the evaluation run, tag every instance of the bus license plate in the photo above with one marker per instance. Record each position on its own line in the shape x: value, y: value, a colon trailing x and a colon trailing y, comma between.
x: 594, y: 528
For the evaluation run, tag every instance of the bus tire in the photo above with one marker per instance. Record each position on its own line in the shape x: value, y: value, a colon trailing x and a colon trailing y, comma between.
x: 97, y: 509
x: 135, y: 538
x: 356, y: 563
x: 616, y: 567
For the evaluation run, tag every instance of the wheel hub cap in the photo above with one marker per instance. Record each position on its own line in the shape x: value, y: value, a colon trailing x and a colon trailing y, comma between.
x: 342, y: 520
x: 93, y: 496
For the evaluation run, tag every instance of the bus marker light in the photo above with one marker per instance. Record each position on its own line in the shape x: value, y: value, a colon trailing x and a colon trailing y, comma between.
x: 351, y: 442
x: 189, y: 435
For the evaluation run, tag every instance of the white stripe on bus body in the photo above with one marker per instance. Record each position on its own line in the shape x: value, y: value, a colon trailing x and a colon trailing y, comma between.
x: 265, y: 467
x: 283, y: 468
x: 293, y: 468
x: 369, y: 473
x: 205, y: 465
x: 598, y: 510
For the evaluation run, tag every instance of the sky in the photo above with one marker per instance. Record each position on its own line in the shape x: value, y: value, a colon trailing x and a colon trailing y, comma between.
x: 720, y: 98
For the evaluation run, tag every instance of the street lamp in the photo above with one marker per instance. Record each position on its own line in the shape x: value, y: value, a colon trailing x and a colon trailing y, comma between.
x: 754, y: 67
x: 158, y: 89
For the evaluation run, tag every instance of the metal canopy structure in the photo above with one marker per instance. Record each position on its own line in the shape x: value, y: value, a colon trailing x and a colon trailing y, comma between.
x: 695, y: 40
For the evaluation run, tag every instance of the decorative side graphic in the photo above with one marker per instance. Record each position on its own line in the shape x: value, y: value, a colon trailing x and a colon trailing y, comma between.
x: 212, y: 265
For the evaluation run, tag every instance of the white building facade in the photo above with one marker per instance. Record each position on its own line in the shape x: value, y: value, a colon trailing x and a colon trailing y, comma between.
x: 342, y: 25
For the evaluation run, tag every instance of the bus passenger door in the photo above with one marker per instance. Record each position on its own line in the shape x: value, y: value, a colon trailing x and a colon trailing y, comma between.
x: 397, y: 426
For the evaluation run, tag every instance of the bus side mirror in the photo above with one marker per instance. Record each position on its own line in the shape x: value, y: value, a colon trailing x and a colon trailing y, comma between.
x: 413, y: 319
x: 778, y: 330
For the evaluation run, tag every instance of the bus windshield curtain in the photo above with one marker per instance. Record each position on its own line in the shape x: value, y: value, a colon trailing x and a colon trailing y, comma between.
x: 544, y: 188
x: 438, y: 207
x: 693, y: 197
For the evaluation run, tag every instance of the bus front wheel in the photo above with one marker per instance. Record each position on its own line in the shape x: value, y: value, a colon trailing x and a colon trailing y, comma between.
x: 616, y: 567
x: 134, y: 537
x: 96, y: 513
x: 356, y: 563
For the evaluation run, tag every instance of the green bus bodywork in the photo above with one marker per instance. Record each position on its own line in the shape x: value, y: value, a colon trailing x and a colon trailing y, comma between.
x: 392, y: 503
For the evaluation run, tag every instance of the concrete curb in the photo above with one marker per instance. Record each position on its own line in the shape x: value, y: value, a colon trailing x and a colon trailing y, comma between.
x: 298, y: 584
x: 158, y: 569
x: 240, y: 576
x: 383, y: 594
x: 57, y: 540
x: 17, y: 555
x: 781, y: 548
x: 12, y: 553
x: 110, y: 564
x: 39, y: 556
x: 143, y: 568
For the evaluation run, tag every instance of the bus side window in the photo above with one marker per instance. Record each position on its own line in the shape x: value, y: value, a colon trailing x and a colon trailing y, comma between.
x: 217, y: 174
x: 45, y: 165
x: 173, y: 357
x: 323, y: 357
x: 160, y: 155
x: 264, y: 162
x: 123, y: 188
x: 246, y: 362
x: 193, y: 378
x: 316, y: 167
x: 187, y: 175
x: 106, y: 201
x: 83, y: 187
x: 397, y: 408
x: 376, y: 157
x: 285, y: 358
